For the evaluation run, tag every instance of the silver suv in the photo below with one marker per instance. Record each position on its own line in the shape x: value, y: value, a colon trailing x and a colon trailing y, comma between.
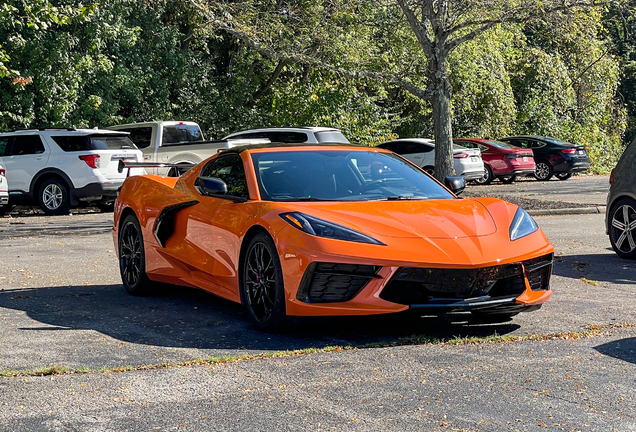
x: 620, y: 218
x: 55, y: 168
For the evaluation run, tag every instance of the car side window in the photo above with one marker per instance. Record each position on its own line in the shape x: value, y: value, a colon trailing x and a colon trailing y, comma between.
x: 411, y: 148
x: 229, y: 168
x: 140, y: 136
x: 4, y: 143
x: 394, y: 147
x: 482, y: 148
x: 26, y: 145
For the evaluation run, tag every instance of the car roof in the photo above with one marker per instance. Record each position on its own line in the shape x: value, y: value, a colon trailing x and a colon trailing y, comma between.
x: 61, y: 132
x: 152, y: 123
x: 415, y: 140
x: 288, y: 129
x: 300, y: 147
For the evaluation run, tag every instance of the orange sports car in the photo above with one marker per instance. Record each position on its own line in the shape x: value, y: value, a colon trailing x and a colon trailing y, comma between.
x: 290, y: 230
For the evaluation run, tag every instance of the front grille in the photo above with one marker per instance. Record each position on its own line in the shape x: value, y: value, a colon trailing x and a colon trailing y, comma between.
x: 333, y: 282
x: 412, y: 285
x: 538, y: 272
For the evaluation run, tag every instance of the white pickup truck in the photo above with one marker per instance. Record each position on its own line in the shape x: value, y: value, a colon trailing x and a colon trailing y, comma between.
x: 175, y: 142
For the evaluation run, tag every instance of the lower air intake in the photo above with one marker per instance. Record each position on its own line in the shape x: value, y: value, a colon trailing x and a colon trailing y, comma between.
x: 330, y: 282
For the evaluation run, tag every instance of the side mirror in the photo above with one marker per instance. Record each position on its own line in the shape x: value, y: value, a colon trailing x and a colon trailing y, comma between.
x: 455, y: 184
x: 210, y: 186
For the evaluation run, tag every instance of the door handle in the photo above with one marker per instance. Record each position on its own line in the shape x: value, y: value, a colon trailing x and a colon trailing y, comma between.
x: 38, y: 158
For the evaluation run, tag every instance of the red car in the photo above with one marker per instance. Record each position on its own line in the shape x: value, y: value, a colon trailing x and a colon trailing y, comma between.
x: 501, y: 160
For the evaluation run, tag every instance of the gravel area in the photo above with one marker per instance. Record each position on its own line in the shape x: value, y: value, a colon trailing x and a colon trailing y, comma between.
x: 526, y: 203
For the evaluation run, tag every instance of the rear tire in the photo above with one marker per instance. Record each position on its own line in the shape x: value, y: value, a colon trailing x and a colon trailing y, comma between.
x: 132, y: 257
x: 563, y: 176
x: 262, y: 288
x: 54, y: 197
x: 622, y: 229
x: 543, y: 171
x: 487, y: 178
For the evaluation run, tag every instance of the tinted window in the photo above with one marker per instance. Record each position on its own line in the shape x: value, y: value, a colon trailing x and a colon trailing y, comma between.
x: 410, y: 148
x: 558, y: 142
x: 72, y: 143
x: 331, y: 137
x: 4, y: 142
x: 230, y: 169
x: 26, y: 145
x: 500, y: 144
x: 111, y: 142
x: 393, y: 146
x: 140, y: 136
x: 181, y: 133
x: 274, y: 136
x: 341, y: 175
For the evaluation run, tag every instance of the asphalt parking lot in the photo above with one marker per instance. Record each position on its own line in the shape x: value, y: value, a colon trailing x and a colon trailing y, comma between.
x: 62, y: 305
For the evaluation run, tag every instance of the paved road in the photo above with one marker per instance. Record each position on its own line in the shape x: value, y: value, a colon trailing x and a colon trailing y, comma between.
x: 61, y: 303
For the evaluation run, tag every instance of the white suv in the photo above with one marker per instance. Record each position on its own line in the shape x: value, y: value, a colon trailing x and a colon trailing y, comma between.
x: 55, y: 168
x: 296, y: 135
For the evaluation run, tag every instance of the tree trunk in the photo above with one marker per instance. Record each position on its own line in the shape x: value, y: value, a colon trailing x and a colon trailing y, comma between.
x: 442, y: 117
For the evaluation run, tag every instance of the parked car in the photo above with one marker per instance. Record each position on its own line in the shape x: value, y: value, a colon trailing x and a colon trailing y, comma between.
x: 303, y: 231
x: 553, y: 156
x: 4, y: 191
x: 308, y: 135
x: 421, y: 151
x: 55, y: 168
x: 620, y: 217
x: 171, y: 142
x: 501, y: 161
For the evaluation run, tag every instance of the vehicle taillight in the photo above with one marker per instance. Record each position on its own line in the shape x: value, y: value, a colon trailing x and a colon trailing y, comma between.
x: 460, y: 155
x: 568, y: 151
x: 91, y: 160
x: 611, y: 176
x: 3, y: 172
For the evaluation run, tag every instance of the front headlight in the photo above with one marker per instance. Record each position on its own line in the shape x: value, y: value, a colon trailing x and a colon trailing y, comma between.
x: 322, y: 228
x: 522, y: 225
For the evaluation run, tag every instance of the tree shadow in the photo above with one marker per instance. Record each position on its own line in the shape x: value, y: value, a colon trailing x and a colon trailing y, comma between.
x: 596, y: 267
x: 187, y: 318
x: 622, y: 349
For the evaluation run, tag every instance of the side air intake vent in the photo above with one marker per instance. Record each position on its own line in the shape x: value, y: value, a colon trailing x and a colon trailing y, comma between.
x: 331, y: 282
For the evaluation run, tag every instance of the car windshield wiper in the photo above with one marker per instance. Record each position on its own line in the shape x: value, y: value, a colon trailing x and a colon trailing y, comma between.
x: 402, y: 197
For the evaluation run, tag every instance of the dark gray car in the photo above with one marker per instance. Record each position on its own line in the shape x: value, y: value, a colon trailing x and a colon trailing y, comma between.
x: 620, y: 218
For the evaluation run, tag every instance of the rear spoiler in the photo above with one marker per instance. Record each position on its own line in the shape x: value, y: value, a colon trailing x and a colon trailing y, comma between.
x: 123, y: 165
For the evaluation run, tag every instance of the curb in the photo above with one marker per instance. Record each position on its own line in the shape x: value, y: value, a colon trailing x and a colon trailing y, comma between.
x: 568, y: 211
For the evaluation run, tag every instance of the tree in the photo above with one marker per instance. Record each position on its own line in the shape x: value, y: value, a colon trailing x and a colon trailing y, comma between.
x: 438, y: 26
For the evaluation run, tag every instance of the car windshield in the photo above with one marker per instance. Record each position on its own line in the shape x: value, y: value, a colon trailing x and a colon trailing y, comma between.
x: 331, y: 137
x: 341, y: 175
x: 500, y: 144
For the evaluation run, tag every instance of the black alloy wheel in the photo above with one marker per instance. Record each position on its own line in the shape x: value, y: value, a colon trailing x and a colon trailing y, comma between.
x: 132, y: 259
x: 563, y: 176
x: 622, y: 232
x: 262, y: 284
x: 508, y: 179
x: 487, y: 178
x: 543, y: 171
x: 54, y: 197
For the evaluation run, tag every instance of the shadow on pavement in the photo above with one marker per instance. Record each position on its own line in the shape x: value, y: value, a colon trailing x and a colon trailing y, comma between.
x: 187, y: 318
x: 596, y: 267
x: 622, y: 349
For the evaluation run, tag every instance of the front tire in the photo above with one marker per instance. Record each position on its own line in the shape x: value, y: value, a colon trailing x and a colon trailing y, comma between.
x: 132, y: 257
x: 54, y: 197
x: 622, y: 231
x: 262, y: 284
x: 543, y: 171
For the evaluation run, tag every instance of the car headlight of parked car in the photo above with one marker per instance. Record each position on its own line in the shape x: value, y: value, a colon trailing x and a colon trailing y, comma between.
x: 522, y: 225
x: 322, y: 228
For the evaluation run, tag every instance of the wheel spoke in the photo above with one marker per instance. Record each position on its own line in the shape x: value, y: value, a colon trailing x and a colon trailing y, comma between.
x: 617, y: 224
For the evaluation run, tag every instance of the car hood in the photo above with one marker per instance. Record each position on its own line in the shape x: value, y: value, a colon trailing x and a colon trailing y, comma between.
x: 434, y: 219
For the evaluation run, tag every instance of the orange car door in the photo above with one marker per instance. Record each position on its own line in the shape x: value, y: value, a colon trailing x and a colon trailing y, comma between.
x: 215, y: 225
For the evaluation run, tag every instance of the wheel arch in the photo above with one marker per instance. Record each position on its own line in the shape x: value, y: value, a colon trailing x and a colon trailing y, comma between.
x: 247, y: 238
x: 612, y: 204
x: 46, y: 174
